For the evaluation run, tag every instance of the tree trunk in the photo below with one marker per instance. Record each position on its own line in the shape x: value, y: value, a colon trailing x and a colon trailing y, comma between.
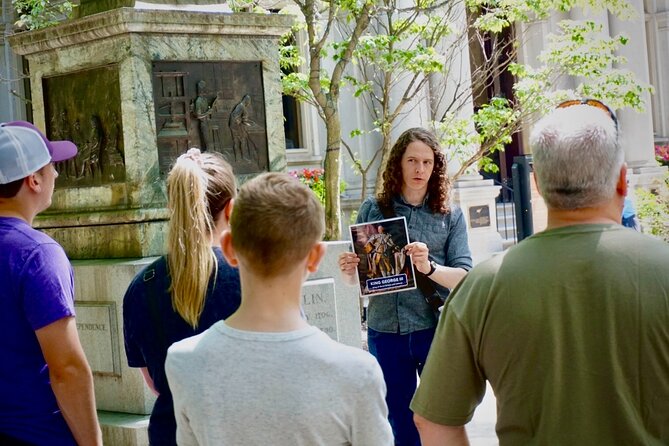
x: 386, y: 146
x: 363, y: 190
x: 332, y: 176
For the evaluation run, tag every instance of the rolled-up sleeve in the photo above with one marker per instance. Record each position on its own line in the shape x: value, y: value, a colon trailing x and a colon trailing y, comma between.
x: 452, y: 384
x: 458, y: 254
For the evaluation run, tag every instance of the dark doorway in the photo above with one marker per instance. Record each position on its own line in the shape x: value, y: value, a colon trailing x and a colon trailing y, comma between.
x: 495, y: 81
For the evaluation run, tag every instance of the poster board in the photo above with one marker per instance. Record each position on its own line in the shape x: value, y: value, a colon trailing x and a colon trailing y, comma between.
x: 384, y: 266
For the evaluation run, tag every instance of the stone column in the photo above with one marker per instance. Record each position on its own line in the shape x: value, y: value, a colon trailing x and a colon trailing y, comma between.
x: 476, y: 198
x: 636, y: 129
x: 534, y: 39
x: 11, y: 104
x: 126, y: 42
x: 451, y: 89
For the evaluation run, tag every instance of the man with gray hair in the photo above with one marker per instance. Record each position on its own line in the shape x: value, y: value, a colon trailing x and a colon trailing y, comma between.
x: 571, y: 326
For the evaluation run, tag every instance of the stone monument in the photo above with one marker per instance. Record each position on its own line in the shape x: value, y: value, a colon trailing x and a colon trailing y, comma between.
x: 135, y: 86
x: 476, y: 198
x: 329, y: 303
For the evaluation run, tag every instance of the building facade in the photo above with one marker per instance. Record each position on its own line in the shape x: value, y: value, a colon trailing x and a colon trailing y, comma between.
x: 647, y: 54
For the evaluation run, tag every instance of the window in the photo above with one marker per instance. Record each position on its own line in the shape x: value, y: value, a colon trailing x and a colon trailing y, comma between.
x: 291, y: 110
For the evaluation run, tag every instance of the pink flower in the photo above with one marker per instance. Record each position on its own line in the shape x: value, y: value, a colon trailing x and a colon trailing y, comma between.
x: 662, y: 153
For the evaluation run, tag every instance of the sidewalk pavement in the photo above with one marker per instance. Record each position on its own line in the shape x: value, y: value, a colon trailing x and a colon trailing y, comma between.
x: 481, y: 430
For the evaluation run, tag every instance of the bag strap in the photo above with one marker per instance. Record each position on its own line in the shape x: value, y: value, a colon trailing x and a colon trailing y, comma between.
x: 387, y: 212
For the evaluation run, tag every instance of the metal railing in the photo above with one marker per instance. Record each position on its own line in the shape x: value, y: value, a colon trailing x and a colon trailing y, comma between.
x: 505, y: 210
x: 520, y: 170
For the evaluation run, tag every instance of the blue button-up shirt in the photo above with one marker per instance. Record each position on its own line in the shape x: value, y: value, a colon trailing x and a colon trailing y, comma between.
x: 446, y: 238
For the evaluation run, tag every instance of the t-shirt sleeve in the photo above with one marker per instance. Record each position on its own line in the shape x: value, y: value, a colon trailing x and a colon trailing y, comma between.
x: 370, y: 420
x: 132, y: 319
x: 458, y: 254
x: 48, y: 286
x: 175, y: 370
x: 452, y: 384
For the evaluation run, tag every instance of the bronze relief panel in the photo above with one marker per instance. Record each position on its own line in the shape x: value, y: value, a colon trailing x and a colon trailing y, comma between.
x: 85, y: 107
x: 215, y: 106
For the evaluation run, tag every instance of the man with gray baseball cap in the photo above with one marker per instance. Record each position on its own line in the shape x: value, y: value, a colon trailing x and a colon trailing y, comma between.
x: 46, y: 385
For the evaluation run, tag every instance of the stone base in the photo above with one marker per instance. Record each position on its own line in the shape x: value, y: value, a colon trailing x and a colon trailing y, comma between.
x: 476, y: 198
x: 645, y: 176
x: 123, y: 234
x: 123, y: 429
x: 99, y: 289
x: 97, y: 217
x: 346, y: 305
x: 484, y: 244
x: 142, y: 239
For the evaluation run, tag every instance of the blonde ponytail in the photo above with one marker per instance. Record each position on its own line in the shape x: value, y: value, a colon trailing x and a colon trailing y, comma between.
x: 190, y: 258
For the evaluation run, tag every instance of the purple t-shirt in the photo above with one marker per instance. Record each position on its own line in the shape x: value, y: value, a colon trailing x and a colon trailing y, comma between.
x: 36, y: 289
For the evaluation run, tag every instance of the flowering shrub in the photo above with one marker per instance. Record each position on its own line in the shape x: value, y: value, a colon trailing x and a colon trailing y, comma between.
x: 653, y: 209
x: 314, y: 178
x: 662, y: 154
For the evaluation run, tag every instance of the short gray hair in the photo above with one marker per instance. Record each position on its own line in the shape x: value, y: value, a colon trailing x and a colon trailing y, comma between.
x: 576, y: 157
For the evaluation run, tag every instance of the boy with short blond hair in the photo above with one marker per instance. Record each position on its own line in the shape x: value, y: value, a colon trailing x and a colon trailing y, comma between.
x: 276, y: 224
x: 264, y: 375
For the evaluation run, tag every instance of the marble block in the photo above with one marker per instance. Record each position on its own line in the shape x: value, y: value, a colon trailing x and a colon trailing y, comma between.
x: 120, y: 429
x: 476, y: 198
x: 126, y: 218
x: 346, y: 297
x: 319, y: 305
x: 99, y: 289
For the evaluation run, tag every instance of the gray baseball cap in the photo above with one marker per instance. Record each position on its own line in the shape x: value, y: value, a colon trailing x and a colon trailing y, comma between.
x: 25, y: 150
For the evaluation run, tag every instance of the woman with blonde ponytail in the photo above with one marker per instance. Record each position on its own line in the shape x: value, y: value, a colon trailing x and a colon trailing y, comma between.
x: 186, y: 291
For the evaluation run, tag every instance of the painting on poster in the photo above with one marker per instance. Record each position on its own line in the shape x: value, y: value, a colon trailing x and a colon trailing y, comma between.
x: 384, y: 265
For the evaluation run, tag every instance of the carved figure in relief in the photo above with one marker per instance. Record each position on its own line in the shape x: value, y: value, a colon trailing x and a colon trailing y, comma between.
x: 202, y: 112
x: 57, y: 134
x: 63, y: 129
x: 113, y: 157
x: 239, y: 123
x: 90, y: 150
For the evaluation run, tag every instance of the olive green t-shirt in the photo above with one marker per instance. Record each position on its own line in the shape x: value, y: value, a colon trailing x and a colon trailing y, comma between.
x: 571, y: 328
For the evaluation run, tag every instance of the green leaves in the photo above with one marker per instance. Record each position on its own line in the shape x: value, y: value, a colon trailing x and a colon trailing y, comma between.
x: 289, y: 56
x: 415, y: 49
x: 495, y: 15
x: 296, y: 85
x: 468, y: 147
x: 242, y: 5
x: 389, y: 53
x: 653, y: 208
x: 315, y: 180
x: 36, y: 14
x: 583, y: 50
x: 407, y: 45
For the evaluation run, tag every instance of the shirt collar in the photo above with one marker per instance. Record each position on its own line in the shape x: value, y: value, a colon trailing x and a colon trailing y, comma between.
x: 400, y: 199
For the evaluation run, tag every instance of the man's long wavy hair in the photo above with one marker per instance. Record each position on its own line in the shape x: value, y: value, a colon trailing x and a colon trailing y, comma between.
x: 438, y: 186
x: 199, y: 186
